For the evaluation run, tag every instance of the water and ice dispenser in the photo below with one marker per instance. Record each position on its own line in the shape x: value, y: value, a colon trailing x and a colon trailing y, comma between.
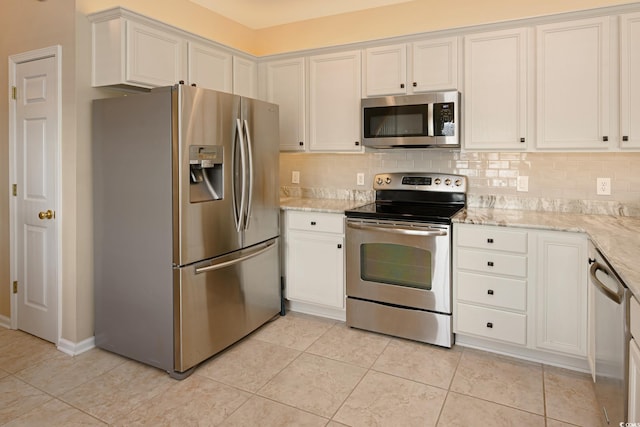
x: 206, y: 172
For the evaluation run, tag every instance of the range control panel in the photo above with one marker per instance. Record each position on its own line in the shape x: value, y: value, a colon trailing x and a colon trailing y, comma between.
x: 420, y: 181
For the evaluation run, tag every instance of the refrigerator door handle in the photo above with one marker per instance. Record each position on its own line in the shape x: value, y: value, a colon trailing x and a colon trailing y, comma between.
x: 240, y: 215
x: 257, y: 251
x: 250, y: 173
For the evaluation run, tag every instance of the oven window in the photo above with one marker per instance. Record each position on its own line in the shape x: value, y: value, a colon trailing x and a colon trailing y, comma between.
x: 396, y: 265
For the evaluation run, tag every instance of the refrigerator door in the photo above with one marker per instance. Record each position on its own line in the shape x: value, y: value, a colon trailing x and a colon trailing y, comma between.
x: 261, y: 130
x: 222, y: 300
x: 204, y: 130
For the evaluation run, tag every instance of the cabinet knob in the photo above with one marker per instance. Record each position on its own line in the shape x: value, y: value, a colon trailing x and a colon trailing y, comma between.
x: 339, y: 245
x: 489, y: 325
x: 193, y: 84
x: 625, y: 138
x: 605, y: 138
x: 490, y: 291
x: 313, y: 223
x: 415, y: 84
x: 181, y: 82
x: 490, y: 263
x: 489, y: 240
x: 357, y: 142
x: 301, y: 143
x: 522, y: 140
x: 401, y: 85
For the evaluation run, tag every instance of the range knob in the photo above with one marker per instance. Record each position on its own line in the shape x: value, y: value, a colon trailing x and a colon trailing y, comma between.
x: 388, y: 180
x: 437, y: 181
x: 458, y: 182
x: 447, y: 181
x: 379, y: 181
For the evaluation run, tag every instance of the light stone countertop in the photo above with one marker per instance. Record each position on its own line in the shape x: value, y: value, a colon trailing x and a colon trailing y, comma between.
x: 617, y: 237
x: 318, y: 205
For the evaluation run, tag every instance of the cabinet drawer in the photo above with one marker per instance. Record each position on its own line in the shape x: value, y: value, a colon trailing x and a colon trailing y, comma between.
x: 490, y: 323
x: 492, y: 262
x: 496, y: 238
x: 500, y: 292
x: 315, y: 221
x: 635, y: 318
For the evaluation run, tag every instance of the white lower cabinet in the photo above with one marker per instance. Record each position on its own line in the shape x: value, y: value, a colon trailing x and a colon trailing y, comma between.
x: 521, y: 292
x: 314, y: 263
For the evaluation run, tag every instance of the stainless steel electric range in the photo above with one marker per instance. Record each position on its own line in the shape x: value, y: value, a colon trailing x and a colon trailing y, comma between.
x: 398, y: 259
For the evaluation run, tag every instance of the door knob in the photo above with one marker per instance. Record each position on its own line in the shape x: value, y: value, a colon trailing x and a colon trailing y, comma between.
x: 47, y: 215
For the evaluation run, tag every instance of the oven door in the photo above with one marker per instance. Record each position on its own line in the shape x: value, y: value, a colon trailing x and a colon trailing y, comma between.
x: 399, y: 263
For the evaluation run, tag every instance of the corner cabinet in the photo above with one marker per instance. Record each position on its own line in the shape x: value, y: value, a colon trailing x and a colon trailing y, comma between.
x: 314, y: 263
x: 284, y: 84
x: 432, y: 65
x: 521, y: 292
x: 573, y: 85
x: 497, y: 99
x: 334, y: 102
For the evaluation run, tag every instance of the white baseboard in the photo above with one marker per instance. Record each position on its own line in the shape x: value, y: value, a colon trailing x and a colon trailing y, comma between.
x: 73, y: 348
x: 5, y: 322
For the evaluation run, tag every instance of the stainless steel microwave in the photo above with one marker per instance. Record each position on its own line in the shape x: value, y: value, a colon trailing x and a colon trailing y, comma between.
x: 426, y: 120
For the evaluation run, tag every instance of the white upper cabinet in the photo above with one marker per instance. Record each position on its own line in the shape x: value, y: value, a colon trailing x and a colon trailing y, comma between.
x: 386, y: 70
x: 573, y: 78
x: 334, y: 102
x: 210, y: 68
x: 245, y: 77
x: 496, y: 99
x: 285, y: 85
x: 630, y: 80
x: 431, y: 65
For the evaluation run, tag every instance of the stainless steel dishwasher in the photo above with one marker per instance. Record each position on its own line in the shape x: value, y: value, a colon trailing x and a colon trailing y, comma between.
x: 611, y: 311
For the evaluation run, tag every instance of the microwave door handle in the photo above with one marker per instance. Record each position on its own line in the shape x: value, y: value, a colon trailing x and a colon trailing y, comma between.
x: 243, y: 167
x: 250, y: 174
x: 430, y: 123
x: 616, y: 297
x: 398, y: 229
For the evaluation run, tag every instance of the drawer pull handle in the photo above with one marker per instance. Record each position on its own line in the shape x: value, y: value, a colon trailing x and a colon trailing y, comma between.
x: 339, y: 245
x: 490, y: 291
x: 489, y: 325
x: 489, y: 240
x: 490, y: 263
x: 313, y: 223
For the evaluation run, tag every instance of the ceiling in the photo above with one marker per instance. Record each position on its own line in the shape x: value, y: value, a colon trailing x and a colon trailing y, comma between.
x: 258, y: 14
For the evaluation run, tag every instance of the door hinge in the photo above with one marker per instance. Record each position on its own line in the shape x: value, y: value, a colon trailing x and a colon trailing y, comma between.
x: 15, y: 286
x: 14, y: 190
x: 14, y: 92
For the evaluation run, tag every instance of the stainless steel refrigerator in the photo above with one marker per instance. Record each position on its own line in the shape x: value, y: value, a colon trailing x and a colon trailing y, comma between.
x: 186, y: 223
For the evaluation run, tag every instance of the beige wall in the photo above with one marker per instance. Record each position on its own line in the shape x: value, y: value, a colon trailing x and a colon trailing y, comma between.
x: 29, y: 24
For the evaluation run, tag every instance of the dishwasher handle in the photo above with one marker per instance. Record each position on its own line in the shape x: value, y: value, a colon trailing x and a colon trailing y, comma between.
x: 616, y: 297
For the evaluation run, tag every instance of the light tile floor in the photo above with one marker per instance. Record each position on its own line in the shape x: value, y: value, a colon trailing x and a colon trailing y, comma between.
x: 295, y: 371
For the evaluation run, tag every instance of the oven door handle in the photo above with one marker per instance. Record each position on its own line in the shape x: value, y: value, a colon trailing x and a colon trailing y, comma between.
x: 399, y: 229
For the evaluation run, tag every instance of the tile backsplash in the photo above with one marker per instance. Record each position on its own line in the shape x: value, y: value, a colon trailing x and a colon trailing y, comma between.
x: 556, y: 178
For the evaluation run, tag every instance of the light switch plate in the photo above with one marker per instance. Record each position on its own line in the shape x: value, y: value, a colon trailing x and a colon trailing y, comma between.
x: 522, y: 184
x: 360, y: 178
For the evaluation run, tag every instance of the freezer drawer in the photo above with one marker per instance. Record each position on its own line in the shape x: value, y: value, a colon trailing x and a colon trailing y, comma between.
x: 223, y: 299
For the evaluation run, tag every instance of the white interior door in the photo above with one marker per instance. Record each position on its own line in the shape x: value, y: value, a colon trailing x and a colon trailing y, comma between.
x: 35, y: 126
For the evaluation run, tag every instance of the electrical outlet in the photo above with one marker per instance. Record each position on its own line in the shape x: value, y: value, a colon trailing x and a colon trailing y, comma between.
x: 522, y: 183
x: 603, y: 186
x: 295, y: 177
x: 360, y: 178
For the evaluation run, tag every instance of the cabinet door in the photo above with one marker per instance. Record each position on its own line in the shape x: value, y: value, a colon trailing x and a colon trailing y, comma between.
x: 245, y: 77
x: 386, y: 70
x: 285, y: 86
x: 334, y: 102
x: 630, y: 80
x: 435, y: 65
x: 496, y: 101
x: 561, y: 297
x: 315, y: 268
x: 209, y: 68
x: 154, y: 57
x: 634, y: 381
x: 573, y: 84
